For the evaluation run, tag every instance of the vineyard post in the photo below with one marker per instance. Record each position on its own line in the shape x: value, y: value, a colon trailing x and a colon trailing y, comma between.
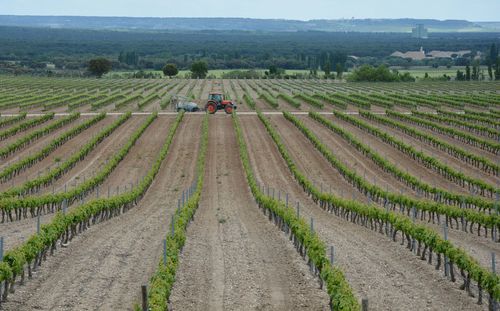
x: 279, y: 195
x: 173, y: 224
x: 332, y: 255
x: 286, y: 199
x: 97, y: 192
x: 445, y: 233
x: 273, y: 192
x: 65, y: 188
x: 493, y: 263
x: 1, y: 248
x: 312, y: 225
x: 364, y: 304
x: 164, y: 252
x: 38, y: 224
x: 298, y: 209
x: 413, y: 217
x: 117, y: 190
x: 144, y: 291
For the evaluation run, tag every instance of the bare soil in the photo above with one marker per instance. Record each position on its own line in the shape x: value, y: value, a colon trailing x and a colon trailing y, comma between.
x: 234, y: 257
x: 378, y: 269
x: 104, y: 268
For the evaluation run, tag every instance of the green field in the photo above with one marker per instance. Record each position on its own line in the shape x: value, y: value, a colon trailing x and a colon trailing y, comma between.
x: 418, y: 72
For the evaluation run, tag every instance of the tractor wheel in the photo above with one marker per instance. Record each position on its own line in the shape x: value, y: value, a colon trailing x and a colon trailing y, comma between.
x: 212, y: 108
x: 228, y: 109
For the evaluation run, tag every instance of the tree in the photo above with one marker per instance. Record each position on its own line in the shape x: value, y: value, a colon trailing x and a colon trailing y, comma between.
x: 475, y: 71
x: 327, y: 68
x: 460, y: 76
x: 497, y: 69
x: 199, y: 69
x: 170, y: 70
x: 340, y: 70
x: 99, y: 66
x: 467, y: 73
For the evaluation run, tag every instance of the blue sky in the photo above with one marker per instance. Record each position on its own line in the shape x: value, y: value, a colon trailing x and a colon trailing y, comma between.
x: 479, y: 10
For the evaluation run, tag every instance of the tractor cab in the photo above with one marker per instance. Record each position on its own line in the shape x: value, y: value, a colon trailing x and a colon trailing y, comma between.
x: 216, y: 97
x: 217, y: 101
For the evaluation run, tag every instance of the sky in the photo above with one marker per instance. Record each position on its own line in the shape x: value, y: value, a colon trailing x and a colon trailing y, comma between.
x: 478, y: 10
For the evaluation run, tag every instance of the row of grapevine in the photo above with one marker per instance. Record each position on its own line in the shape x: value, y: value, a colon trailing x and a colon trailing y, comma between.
x: 65, y: 226
x: 474, y: 128
x: 428, y: 209
x: 28, y: 161
x: 430, y: 162
x: 337, y: 286
x: 459, y: 153
x: 48, y: 202
x: 12, y: 120
x: 163, y: 279
x: 463, y: 137
x: 377, y: 219
x: 25, y: 125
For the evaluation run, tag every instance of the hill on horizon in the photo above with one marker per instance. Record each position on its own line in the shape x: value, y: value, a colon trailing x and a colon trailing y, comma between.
x: 245, y: 24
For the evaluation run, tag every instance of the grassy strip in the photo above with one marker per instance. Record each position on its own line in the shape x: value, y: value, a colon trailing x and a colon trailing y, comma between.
x: 30, y: 160
x: 25, y: 125
x: 339, y: 290
x: 163, y: 280
x: 65, y: 226
x: 377, y: 218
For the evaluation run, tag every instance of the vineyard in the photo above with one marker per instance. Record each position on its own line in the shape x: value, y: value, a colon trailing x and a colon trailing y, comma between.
x: 314, y: 195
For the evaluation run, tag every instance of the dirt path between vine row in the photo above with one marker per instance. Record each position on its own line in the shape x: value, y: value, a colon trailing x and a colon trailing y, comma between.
x: 38, y: 144
x: 400, y: 159
x: 141, y: 156
x: 234, y: 257
x: 312, y: 163
x: 103, y: 268
x: 61, y: 153
x: 476, y: 150
x: 443, y: 156
x: 478, y: 247
x: 18, y: 231
x: 9, y: 140
x: 96, y: 159
x: 378, y: 269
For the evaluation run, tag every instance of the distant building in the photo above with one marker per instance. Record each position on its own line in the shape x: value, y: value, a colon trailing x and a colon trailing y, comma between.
x: 421, y: 55
x: 419, y: 32
x: 415, y: 55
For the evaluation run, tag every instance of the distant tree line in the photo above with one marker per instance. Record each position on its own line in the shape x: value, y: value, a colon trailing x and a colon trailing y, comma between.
x: 475, y: 73
x: 70, y: 49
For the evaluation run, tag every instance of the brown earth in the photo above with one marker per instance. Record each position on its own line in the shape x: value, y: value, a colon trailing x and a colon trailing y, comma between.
x: 383, y: 271
x: 234, y: 257
x: 103, y: 268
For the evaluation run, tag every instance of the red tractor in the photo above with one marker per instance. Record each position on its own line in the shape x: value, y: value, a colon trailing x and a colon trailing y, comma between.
x: 217, y: 101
